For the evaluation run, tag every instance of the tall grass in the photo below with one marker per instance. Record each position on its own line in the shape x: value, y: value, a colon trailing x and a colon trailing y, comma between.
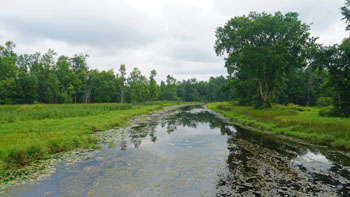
x: 291, y: 120
x: 32, y: 132
x: 12, y: 113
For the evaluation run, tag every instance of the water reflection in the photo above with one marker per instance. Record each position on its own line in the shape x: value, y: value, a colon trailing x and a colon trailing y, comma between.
x: 189, y: 116
x: 258, y: 164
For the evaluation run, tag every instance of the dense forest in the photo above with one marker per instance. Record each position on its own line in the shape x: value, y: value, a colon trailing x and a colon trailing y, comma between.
x: 36, y: 78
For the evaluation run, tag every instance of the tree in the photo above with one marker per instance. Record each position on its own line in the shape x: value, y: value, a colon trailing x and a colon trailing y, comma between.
x: 163, y: 92
x: 138, y: 86
x: 104, y: 86
x: 263, y: 47
x: 153, y: 87
x: 336, y: 59
x: 122, y: 74
x: 32, y: 78
x: 65, y: 76
x: 170, y: 89
x: 345, y: 10
x: 8, y: 74
x: 27, y: 82
x: 79, y: 62
x: 215, y: 92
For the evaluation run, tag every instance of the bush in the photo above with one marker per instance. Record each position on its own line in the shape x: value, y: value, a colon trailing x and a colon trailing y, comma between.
x: 324, y: 101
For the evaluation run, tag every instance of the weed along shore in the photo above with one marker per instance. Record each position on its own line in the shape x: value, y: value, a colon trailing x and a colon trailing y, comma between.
x: 298, y: 122
x: 32, y: 136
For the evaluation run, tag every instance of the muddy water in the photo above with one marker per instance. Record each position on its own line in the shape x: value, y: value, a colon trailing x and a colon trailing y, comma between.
x: 189, y: 151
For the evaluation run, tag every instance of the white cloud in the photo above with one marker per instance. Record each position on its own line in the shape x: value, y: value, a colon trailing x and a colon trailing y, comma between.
x: 172, y: 36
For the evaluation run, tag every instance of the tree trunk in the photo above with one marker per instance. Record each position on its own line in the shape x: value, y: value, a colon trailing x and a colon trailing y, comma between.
x: 87, y: 95
x: 265, y: 94
x: 261, y: 91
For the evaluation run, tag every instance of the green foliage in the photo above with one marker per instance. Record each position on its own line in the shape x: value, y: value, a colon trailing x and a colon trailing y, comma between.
x: 336, y: 59
x: 261, y: 54
x: 345, y: 10
x: 206, y: 91
x: 326, y: 112
x: 36, y: 78
x: 153, y: 87
x: 324, y: 101
x: 291, y: 120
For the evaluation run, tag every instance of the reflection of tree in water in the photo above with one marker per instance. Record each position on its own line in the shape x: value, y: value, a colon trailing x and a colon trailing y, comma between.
x: 191, y: 118
x: 122, y: 143
x: 137, y: 134
x: 260, y: 165
x: 153, y: 132
x: 253, y: 169
x: 255, y: 163
x: 185, y: 117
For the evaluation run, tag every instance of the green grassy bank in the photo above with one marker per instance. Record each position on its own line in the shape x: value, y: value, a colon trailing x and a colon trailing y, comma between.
x: 291, y: 120
x: 32, y: 132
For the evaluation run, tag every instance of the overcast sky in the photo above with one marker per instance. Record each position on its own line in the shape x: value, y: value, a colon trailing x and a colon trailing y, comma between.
x: 174, y: 37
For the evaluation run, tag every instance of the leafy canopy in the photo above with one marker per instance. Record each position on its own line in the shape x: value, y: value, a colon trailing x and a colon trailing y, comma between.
x: 263, y: 47
x: 345, y: 10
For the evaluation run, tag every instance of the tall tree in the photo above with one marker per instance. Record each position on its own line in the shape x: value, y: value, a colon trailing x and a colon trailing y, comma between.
x: 8, y: 74
x: 345, y: 10
x: 27, y: 82
x: 135, y: 82
x: 153, y: 87
x: 79, y: 62
x: 336, y: 60
x: 65, y: 76
x: 122, y: 75
x: 171, y: 88
x: 263, y: 47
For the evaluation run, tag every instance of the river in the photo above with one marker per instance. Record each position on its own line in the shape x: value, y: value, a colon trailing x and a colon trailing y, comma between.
x: 190, y: 151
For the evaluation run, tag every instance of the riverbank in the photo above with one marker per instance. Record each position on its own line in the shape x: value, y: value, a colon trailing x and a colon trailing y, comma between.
x: 295, y: 121
x: 35, y: 132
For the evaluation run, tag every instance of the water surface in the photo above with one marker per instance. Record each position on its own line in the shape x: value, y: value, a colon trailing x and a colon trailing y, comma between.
x: 191, y: 152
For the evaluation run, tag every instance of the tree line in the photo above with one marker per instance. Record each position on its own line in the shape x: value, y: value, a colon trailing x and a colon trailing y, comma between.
x: 36, y: 78
x: 272, y: 58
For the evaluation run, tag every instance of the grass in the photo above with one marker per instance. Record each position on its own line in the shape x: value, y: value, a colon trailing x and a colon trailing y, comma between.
x: 291, y: 120
x: 32, y: 132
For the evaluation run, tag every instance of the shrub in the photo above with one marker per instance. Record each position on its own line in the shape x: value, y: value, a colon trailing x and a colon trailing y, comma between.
x: 324, y: 101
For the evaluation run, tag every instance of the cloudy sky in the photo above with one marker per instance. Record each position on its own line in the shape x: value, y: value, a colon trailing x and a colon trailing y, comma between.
x: 174, y: 37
